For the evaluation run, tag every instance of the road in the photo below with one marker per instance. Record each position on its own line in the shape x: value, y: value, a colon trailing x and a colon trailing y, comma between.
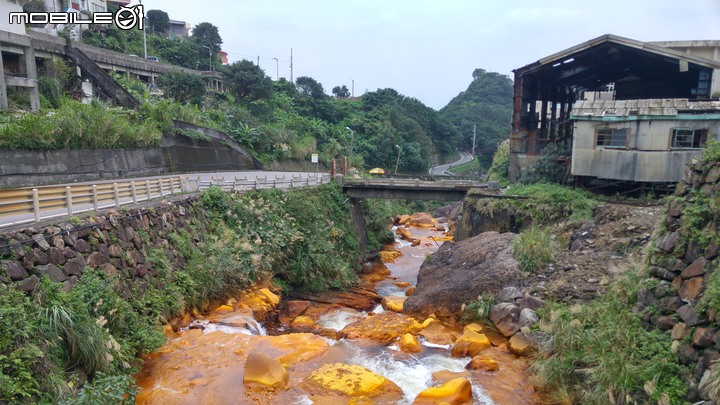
x: 442, y: 169
x: 9, y: 219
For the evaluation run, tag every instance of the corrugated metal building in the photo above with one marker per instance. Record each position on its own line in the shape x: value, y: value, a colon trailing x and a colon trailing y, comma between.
x: 646, y: 103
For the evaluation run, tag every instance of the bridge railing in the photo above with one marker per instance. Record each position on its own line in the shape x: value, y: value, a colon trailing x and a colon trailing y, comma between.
x: 35, y: 204
x: 242, y: 184
x: 418, y: 183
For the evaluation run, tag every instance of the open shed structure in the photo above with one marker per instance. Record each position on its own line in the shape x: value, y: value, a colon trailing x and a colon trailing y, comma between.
x: 605, y: 98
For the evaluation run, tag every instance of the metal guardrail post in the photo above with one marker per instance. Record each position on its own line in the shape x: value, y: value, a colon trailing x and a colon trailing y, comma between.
x: 134, y: 192
x: 36, y: 204
x: 116, y: 194
x: 68, y: 196
x: 95, y: 198
x: 162, y: 192
x: 147, y: 188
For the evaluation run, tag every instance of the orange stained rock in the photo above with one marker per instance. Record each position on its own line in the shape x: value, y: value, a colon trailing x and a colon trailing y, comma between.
x: 224, y: 309
x: 439, y: 334
x: 410, y: 291
x: 263, y: 371
x: 348, y: 381
x: 443, y: 376
x: 422, y: 220
x: 384, y: 327
x: 394, y: 304
x: 302, y: 322
x: 389, y: 256
x: 454, y: 392
x: 470, y: 344
x: 410, y: 344
x: 520, y: 345
x: 402, y: 284
x: 473, y: 327
x: 403, y: 219
x: 361, y: 401
x: 403, y: 233
x: 270, y: 297
x: 483, y: 363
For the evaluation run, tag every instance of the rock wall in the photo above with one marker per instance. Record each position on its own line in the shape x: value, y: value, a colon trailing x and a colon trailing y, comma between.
x: 682, y: 261
x: 116, y: 243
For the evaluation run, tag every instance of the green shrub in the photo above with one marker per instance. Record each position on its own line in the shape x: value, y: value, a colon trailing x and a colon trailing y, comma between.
x: 478, y: 310
x: 106, y: 389
x: 549, y: 197
x: 534, y: 248
x: 602, y: 353
x: 712, y: 151
x: 500, y: 163
x: 549, y: 168
x: 51, y: 90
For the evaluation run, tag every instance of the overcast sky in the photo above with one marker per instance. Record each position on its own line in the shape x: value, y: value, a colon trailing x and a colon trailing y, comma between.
x: 428, y: 49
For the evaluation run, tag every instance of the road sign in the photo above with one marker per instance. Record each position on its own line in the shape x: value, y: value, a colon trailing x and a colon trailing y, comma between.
x: 314, y: 158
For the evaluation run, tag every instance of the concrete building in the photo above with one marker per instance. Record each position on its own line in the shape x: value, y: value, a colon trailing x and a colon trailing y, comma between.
x: 624, y: 106
x: 179, y: 28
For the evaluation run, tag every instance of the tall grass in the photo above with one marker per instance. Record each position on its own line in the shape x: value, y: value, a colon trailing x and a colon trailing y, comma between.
x: 534, y: 248
x: 602, y: 353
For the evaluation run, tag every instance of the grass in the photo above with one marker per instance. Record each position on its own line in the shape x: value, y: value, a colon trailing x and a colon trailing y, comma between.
x: 602, y: 353
x: 534, y: 248
x: 471, y: 168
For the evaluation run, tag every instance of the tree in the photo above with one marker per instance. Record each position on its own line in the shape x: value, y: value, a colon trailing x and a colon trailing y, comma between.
x: 308, y: 86
x: 159, y: 21
x: 208, y: 35
x: 247, y: 81
x: 341, y: 92
x: 183, y: 87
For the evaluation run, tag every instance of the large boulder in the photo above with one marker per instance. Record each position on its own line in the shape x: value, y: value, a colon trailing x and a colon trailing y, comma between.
x: 263, y: 371
x: 459, y: 272
x: 455, y: 392
x: 338, y: 383
x: 384, y: 327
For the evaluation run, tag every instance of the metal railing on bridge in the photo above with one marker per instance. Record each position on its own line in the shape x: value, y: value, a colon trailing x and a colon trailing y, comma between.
x: 53, y: 202
x: 407, y: 182
x: 242, y: 184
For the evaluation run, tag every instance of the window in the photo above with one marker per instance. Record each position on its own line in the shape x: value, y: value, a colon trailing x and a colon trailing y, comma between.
x: 689, y: 138
x: 612, y: 138
x: 97, y: 8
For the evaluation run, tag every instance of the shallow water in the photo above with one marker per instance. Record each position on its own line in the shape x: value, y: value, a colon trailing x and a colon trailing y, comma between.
x: 207, y: 366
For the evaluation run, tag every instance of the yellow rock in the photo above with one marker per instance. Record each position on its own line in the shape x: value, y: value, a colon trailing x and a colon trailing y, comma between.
x: 168, y: 330
x: 394, y: 304
x: 410, y: 344
x: 520, y: 345
x: 384, y: 327
x: 402, y: 284
x: 470, y: 344
x: 422, y: 219
x: 271, y: 298
x: 264, y: 371
x: 404, y: 219
x: 232, y: 302
x: 224, y: 309
x: 350, y: 381
x: 454, y: 392
x: 361, y: 401
x: 441, y: 377
x: 428, y: 322
x: 302, y: 322
x: 389, y: 256
x: 483, y: 363
x: 473, y: 327
x: 403, y: 233
x: 410, y: 291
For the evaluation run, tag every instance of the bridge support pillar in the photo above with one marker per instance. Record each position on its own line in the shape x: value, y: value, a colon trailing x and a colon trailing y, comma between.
x: 359, y: 222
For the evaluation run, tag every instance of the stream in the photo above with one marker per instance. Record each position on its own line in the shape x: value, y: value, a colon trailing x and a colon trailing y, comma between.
x: 204, y: 362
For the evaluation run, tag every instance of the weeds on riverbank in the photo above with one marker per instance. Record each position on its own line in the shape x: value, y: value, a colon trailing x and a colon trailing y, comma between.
x: 534, y: 248
x: 602, y: 353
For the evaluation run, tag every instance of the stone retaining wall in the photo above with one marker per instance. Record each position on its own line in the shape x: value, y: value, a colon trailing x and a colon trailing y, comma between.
x: 116, y: 242
x: 684, y: 255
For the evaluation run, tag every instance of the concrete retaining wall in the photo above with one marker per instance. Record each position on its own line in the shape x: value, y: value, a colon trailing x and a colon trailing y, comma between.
x: 176, y: 154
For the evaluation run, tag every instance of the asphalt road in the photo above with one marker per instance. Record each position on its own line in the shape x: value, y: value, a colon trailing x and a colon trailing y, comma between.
x: 441, y: 170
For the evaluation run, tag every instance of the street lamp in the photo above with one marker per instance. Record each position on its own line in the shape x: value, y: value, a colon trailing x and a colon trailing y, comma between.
x: 144, y: 35
x: 352, y: 142
x: 397, y: 163
x: 209, y: 56
x: 277, y: 69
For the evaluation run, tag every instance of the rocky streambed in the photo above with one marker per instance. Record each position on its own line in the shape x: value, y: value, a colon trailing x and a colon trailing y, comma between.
x: 355, y: 346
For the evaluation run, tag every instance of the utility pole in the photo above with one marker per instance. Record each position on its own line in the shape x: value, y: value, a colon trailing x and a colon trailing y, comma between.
x: 144, y: 36
x: 258, y: 60
x: 277, y: 69
x: 291, y: 67
x: 474, y: 134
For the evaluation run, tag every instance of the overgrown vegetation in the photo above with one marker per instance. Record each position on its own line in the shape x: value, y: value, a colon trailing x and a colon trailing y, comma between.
x: 500, y: 163
x: 552, y: 167
x: 52, y: 341
x: 541, y: 204
x: 75, y: 125
x: 602, y: 353
x: 534, y: 248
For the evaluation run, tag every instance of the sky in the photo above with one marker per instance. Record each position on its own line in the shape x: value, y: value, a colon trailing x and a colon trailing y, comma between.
x: 428, y: 49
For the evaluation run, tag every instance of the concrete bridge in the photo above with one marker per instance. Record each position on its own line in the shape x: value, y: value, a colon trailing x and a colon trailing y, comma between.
x: 403, y: 189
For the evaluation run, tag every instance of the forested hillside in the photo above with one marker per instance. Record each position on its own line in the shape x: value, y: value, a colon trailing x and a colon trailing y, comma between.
x: 487, y: 103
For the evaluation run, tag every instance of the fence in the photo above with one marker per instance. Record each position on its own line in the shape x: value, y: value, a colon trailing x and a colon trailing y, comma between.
x: 18, y: 206
x: 21, y: 206
x: 239, y: 185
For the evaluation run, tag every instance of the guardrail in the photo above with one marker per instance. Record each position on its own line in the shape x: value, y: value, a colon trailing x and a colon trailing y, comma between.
x: 52, y: 202
x: 242, y: 184
x: 394, y: 182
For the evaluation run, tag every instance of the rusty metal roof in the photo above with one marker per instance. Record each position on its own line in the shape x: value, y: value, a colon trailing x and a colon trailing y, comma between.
x: 656, y: 107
